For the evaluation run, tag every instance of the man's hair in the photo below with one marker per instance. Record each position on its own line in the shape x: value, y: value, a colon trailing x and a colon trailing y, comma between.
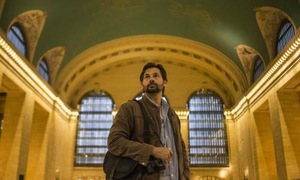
x: 154, y: 65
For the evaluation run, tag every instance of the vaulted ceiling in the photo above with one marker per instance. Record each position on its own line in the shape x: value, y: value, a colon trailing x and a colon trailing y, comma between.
x: 194, y: 38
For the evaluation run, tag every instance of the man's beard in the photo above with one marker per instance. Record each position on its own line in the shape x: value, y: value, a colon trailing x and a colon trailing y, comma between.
x: 152, y: 88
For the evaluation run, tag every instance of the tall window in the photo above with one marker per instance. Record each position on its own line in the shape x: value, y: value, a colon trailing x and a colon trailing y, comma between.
x: 258, y: 68
x: 43, y: 70
x: 16, y: 36
x: 207, y: 131
x: 285, y: 34
x: 95, y: 120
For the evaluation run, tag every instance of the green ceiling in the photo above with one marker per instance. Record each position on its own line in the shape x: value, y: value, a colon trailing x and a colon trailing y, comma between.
x: 80, y: 24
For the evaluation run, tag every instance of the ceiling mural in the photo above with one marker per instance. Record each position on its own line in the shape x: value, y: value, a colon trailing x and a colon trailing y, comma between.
x: 80, y: 25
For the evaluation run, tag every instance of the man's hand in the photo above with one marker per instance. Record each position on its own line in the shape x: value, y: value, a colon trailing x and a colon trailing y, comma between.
x: 162, y: 153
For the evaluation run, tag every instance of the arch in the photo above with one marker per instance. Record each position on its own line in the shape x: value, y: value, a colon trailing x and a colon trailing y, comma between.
x: 269, y: 20
x: 53, y: 57
x: 205, y: 63
x: 247, y: 56
x: 32, y: 23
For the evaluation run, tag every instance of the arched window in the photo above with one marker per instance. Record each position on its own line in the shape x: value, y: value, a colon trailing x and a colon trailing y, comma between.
x: 43, y: 70
x: 95, y: 120
x: 207, y: 132
x: 16, y: 36
x: 258, y: 69
x: 285, y: 34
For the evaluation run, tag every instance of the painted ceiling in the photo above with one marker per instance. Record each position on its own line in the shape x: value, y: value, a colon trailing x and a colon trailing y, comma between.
x: 78, y: 25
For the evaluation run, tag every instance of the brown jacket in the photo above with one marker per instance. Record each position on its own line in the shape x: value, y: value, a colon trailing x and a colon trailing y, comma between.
x: 126, y: 136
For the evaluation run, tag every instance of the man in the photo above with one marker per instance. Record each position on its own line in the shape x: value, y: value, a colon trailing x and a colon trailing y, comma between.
x: 126, y: 137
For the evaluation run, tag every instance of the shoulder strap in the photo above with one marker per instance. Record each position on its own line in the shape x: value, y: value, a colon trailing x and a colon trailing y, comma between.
x: 146, y: 122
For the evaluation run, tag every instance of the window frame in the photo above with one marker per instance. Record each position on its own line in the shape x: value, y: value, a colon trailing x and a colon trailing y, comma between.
x: 17, y: 37
x: 285, y: 33
x: 207, y: 137
x: 43, y: 70
x: 258, y: 68
x: 96, y: 130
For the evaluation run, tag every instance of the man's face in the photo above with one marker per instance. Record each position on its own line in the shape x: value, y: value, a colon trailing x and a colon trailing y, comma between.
x: 153, y: 81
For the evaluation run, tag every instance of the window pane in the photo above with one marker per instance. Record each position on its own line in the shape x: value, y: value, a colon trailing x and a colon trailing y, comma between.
x: 16, y: 36
x: 286, y: 33
x: 207, y: 132
x: 258, y: 68
x: 95, y: 120
x: 43, y: 70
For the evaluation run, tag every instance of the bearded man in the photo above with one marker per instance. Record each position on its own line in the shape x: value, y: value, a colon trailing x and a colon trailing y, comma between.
x: 126, y: 137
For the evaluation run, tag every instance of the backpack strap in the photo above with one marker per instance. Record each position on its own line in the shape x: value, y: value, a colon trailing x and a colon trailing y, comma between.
x: 146, y: 122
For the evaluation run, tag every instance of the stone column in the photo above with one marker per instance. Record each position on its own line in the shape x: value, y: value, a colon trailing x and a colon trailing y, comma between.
x: 276, y: 115
x: 15, y: 136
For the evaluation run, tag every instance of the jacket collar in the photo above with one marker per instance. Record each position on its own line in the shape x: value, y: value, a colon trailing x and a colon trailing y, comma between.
x: 150, y: 102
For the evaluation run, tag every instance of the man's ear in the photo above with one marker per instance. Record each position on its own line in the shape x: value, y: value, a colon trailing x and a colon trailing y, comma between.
x: 165, y: 82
